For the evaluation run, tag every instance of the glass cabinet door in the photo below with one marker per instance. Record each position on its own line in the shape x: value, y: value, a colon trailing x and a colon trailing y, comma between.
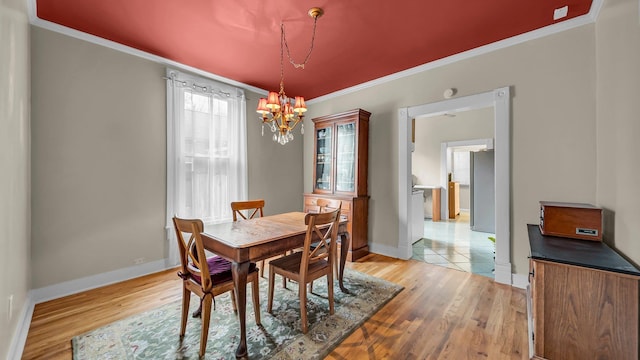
x: 323, y: 159
x: 345, y: 157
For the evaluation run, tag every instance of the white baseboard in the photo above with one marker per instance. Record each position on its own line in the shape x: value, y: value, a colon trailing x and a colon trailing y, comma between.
x: 503, y: 273
x: 91, y: 282
x: 390, y: 251
x: 520, y: 281
x: 22, y: 330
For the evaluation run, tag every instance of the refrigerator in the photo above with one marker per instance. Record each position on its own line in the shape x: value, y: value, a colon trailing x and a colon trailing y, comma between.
x: 482, y: 191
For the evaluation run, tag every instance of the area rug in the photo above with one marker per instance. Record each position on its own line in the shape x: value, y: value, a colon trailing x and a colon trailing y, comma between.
x: 154, y: 334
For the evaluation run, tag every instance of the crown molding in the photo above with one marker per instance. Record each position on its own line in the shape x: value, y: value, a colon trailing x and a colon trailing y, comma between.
x: 36, y: 21
x: 588, y: 18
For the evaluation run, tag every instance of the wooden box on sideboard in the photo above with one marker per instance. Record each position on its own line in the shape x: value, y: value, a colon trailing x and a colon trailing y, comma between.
x: 571, y: 220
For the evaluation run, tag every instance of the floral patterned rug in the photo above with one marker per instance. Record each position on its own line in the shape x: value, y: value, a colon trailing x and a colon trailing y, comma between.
x: 154, y: 334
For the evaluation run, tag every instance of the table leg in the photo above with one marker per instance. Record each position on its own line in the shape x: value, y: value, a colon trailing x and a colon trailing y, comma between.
x: 240, y: 271
x: 344, y: 249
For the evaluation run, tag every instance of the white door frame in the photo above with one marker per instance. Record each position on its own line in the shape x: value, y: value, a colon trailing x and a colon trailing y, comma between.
x: 500, y: 100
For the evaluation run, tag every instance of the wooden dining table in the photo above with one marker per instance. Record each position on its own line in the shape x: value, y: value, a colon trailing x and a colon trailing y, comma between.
x: 247, y: 241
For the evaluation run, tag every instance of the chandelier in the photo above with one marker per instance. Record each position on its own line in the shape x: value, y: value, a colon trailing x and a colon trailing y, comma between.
x: 281, y: 113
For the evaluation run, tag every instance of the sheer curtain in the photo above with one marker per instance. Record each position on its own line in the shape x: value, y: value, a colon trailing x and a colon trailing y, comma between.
x: 206, y: 151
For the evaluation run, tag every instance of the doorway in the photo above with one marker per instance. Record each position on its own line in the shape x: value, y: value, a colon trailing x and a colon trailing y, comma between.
x: 444, y: 151
x: 500, y: 100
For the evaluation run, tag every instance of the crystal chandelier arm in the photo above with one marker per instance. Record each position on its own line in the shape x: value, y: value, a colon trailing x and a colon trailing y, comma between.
x: 295, y: 122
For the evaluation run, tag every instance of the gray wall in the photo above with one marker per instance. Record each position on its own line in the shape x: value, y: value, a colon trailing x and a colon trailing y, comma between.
x: 553, y: 127
x: 275, y: 171
x: 618, y: 123
x: 15, y: 265
x: 98, y: 119
x: 99, y: 160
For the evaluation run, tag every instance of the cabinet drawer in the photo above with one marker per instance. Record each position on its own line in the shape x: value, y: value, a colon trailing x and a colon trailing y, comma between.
x: 311, y: 204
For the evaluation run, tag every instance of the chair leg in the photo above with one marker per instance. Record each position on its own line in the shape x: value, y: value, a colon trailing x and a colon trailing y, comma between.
x: 335, y: 257
x: 198, y: 312
x: 272, y: 276
x: 186, y: 299
x: 330, y: 289
x: 284, y: 279
x: 206, y: 316
x: 302, y: 289
x: 262, y: 269
x: 255, y: 292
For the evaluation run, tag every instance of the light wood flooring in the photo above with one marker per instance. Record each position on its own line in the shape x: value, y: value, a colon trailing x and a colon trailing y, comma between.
x: 440, y: 314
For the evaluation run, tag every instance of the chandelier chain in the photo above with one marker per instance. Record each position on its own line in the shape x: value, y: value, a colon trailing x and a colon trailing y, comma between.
x: 286, y: 45
x: 280, y: 112
x: 282, y: 41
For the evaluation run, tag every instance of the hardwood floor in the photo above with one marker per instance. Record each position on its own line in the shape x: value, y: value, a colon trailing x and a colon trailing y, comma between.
x: 440, y: 314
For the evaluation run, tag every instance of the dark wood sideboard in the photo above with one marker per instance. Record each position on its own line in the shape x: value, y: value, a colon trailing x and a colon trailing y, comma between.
x: 584, y: 299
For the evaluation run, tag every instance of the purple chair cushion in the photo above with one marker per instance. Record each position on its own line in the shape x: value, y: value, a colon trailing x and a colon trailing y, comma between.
x: 220, y: 270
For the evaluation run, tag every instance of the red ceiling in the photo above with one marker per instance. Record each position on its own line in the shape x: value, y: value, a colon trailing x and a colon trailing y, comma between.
x: 356, y: 41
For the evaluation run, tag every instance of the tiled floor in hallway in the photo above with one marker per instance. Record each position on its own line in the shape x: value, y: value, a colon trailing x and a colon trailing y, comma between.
x: 452, y: 244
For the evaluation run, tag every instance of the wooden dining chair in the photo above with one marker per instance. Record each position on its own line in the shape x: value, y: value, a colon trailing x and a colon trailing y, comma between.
x: 253, y: 208
x: 310, y: 263
x: 205, y: 277
x: 328, y: 205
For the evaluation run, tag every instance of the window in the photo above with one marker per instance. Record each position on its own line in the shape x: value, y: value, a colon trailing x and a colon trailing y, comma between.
x: 206, y: 150
x: 461, y: 168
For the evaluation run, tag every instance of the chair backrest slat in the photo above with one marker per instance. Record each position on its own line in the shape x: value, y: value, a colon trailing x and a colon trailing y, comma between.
x: 327, y: 205
x: 257, y: 206
x: 192, y: 254
x: 322, y: 232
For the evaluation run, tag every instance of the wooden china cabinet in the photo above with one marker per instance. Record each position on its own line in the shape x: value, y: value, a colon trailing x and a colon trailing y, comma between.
x: 341, y: 149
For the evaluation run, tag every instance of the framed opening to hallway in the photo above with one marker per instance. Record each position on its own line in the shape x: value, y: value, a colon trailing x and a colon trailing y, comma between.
x: 500, y: 100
